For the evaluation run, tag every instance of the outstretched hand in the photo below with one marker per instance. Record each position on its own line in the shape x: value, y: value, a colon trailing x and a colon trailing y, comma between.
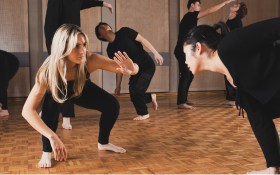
x: 159, y: 59
x: 60, y: 152
x: 229, y: 1
x: 126, y: 66
x: 109, y: 6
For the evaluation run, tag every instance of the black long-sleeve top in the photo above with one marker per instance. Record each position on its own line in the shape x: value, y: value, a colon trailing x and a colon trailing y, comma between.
x: 253, y: 59
x: 64, y: 11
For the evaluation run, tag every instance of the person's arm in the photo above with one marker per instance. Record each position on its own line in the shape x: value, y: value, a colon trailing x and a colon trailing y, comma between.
x: 121, y: 64
x: 213, y: 9
x: 31, y: 115
x: 148, y: 45
x: 118, y: 83
x: 96, y: 3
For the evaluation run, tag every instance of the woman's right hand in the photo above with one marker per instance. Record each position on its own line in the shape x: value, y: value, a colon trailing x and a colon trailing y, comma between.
x: 60, y: 152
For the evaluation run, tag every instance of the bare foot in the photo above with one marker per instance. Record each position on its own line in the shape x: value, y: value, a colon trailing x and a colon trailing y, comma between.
x: 185, y: 106
x: 142, y: 117
x: 189, y: 103
x: 270, y: 170
x: 66, y: 123
x: 45, y: 161
x: 110, y: 147
x: 4, y: 113
x: 154, y: 101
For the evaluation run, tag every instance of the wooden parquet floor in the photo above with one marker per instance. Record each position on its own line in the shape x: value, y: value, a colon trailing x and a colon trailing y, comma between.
x: 209, y: 140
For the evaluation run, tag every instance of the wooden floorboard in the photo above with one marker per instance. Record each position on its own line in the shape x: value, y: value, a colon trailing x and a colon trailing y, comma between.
x: 209, y: 140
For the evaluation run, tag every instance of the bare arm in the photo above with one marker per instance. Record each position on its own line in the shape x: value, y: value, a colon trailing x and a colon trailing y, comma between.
x: 148, y: 45
x: 121, y: 64
x: 213, y: 9
x: 31, y: 115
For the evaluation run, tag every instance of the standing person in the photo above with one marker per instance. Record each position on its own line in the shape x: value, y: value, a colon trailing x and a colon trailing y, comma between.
x: 250, y: 60
x: 189, y: 21
x: 66, y: 12
x: 237, y: 12
x: 62, y: 78
x: 8, y: 67
x: 129, y: 41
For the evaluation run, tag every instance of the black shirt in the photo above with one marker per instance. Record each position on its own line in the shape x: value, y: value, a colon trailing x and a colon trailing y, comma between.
x: 187, y: 23
x: 125, y: 42
x: 252, y: 59
x: 234, y: 23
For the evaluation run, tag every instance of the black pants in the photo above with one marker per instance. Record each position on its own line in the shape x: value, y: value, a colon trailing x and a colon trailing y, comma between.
x: 261, y: 120
x: 138, y: 85
x: 185, y: 79
x: 230, y: 91
x: 8, y: 67
x: 93, y: 97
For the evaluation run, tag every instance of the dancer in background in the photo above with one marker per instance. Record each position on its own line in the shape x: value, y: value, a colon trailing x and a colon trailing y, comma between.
x: 8, y: 67
x: 237, y: 12
x: 66, y: 12
x: 62, y: 78
x: 189, y: 21
x: 129, y: 41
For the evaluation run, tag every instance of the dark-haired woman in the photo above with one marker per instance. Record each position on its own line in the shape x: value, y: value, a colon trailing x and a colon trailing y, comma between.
x: 250, y: 60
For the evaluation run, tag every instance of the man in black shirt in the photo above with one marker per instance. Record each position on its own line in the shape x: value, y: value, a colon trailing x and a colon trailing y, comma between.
x: 61, y: 12
x: 129, y: 41
x: 237, y: 12
x: 189, y: 21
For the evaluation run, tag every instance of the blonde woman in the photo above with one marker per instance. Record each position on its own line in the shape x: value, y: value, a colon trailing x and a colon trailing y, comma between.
x: 62, y: 78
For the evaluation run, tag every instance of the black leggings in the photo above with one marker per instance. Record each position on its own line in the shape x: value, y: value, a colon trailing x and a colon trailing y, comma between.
x: 8, y: 67
x: 93, y: 97
x: 261, y: 120
x: 138, y: 85
x: 185, y: 79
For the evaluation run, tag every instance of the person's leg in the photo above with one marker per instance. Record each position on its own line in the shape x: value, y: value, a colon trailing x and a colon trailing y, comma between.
x: 50, y: 115
x: 230, y: 93
x: 138, y: 86
x: 67, y: 111
x: 261, y: 120
x: 93, y: 97
x: 4, y: 81
x: 185, y: 79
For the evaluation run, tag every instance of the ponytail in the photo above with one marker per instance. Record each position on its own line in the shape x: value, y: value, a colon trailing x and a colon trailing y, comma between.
x: 222, y: 27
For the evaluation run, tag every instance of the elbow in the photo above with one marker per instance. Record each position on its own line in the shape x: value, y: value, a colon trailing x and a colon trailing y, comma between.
x: 24, y: 112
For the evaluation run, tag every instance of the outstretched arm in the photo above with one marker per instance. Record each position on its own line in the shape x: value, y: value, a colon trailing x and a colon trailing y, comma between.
x: 31, y: 115
x: 121, y: 64
x: 213, y: 9
x: 147, y: 44
x: 95, y: 3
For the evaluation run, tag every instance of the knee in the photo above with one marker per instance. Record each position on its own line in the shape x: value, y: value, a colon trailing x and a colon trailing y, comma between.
x: 114, y: 108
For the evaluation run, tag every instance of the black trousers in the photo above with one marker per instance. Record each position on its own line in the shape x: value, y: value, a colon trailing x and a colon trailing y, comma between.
x: 230, y: 91
x: 138, y: 85
x: 8, y: 67
x: 93, y: 97
x: 261, y: 120
x: 185, y: 79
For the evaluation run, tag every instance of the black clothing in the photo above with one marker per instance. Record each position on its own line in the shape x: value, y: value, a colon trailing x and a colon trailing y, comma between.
x: 230, y: 90
x: 93, y: 97
x: 8, y: 67
x: 254, y: 63
x: 62, y: 12
x: 185, y: 75
x: 138, y: 84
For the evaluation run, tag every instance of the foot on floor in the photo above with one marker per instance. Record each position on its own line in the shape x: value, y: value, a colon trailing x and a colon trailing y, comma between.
x: 142, y: 117
x: 111, y: 147
x: 45, y: 161
x: 66, y: 123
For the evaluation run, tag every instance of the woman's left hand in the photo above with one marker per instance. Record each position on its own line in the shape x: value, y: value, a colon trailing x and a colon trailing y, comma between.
x: 126, y: 66
x: 159, y: 59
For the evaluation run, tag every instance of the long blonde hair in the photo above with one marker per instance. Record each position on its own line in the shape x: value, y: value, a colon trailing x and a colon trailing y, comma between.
x: 52, y: 73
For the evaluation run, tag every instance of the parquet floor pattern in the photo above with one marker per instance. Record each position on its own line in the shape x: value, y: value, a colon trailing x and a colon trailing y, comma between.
x: 209, y: 140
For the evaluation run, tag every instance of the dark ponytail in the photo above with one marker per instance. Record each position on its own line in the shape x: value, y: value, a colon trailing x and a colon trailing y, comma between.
x: 207, y: 35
